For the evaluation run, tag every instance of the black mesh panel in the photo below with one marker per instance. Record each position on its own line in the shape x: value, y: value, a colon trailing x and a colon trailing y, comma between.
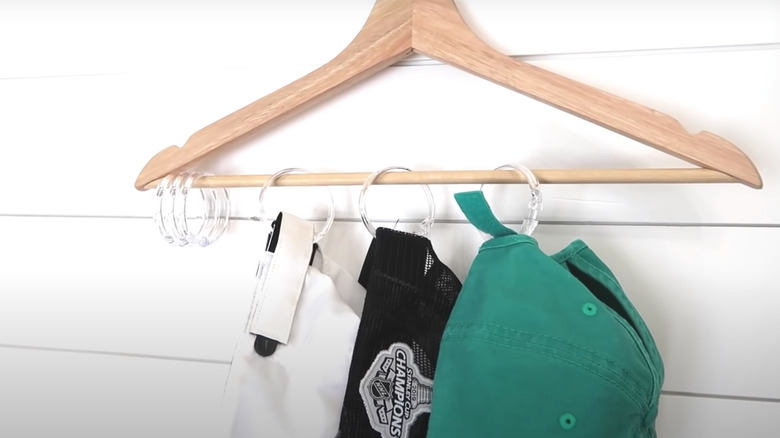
x: 409, y: 296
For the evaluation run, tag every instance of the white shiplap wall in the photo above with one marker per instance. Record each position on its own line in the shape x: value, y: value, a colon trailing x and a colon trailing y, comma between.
x: 106, y: 331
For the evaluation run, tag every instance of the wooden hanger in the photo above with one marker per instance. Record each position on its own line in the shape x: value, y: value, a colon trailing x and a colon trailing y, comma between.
x: 397, y: 28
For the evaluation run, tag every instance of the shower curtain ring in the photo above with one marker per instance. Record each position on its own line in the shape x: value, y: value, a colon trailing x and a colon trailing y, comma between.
x: 163, y: 199
x: 534, y: 205
x: 273, y: 178
x: 172, y: 215
x: 424, y: 226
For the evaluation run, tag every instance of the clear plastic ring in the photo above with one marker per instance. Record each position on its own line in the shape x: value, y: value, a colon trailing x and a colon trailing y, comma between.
x: 425, y: 225
x: 273, y: 178
x: 171, y: 215
x: 534, y: 205
x: 163, y: 199
x: 180, y: 191
x: 169, y: 211
x: 216, y: 214
x: 221, y: 208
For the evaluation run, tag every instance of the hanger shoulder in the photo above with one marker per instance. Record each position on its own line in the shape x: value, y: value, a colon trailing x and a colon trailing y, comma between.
x: 385, y: 38
x: 441, y: 33
x: 396, y: 28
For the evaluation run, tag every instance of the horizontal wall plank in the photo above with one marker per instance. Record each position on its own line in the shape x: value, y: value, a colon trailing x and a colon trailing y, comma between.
x: 74, y: 146
x: 91, y: 396
x: 112, y: 285
x: 689, y: 417
x: 108, y: 85
x: 119, y: 37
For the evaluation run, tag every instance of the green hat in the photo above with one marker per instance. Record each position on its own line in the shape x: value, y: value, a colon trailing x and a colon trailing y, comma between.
x: 542, y: 346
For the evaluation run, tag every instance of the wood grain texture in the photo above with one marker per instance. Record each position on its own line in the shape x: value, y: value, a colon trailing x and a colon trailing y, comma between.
x: 449, y: 177
x: 395, y: 29
x: 441, y: 33
x: 99, y: 117
x: 384, y: 39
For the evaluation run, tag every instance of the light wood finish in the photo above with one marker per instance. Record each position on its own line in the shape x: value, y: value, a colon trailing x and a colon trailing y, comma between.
x: 435, y: 28
x: 545, y: 176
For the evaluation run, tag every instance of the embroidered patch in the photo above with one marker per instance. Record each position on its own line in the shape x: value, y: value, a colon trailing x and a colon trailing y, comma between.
x: 394, y: 392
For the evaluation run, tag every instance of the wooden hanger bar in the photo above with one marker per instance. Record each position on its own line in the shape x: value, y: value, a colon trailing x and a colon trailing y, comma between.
x: 397, y: 28
x: 545, y: 176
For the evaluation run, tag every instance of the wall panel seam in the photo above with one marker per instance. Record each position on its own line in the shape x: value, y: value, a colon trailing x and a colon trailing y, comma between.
x: 114, y: 354
x: 227, y: 363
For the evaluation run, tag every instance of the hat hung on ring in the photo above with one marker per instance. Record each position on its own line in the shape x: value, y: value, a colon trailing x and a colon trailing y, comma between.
x: 542, y: 345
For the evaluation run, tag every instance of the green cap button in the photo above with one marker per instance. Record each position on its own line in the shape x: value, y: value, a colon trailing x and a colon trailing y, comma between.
x: 567, y: 421
x: 590, y: 309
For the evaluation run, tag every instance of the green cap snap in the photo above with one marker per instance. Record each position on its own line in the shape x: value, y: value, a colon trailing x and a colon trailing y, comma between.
x: 567, y: 421
x: 590, y: 309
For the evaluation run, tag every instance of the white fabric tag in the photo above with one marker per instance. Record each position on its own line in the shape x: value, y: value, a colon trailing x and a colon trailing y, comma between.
x: 281, y: 279
x: 298, y: 391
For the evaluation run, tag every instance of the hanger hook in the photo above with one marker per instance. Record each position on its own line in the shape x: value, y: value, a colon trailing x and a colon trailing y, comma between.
x: 273, y: 178
x: 171, y: 215
x: 534, y: 205
x: 424, y: 226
